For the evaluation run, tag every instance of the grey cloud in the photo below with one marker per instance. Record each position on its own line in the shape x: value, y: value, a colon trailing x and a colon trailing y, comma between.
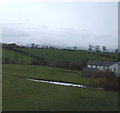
x: 43, y: 26
x: 12, y: 32
x: 75, y: 37
x: 64, y: 36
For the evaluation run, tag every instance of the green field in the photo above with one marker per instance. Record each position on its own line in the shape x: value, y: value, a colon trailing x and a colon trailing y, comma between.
x: 57, y: 57
x: 15, y: 56
x: 20, y: 94
x: 60, y: 56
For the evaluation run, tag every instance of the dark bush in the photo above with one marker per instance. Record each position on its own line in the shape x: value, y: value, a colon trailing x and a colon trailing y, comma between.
x: 7, y: 60
x: 106, y: 79
x: 57, y: 65
x: 21, y: 62
x: 13, y: 62
x: 65, y: 65
x: 74, y: 65
x: 39, y: 62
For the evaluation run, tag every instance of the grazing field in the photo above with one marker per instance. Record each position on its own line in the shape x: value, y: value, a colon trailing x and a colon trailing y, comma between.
x: 20, y: 94
x: 9, y: 56
x: 60, y: 56
x: 52, y: 57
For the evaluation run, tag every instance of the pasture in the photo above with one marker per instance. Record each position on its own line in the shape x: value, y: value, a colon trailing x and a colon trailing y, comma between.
x: 20, y: 94
x: 15, y: 57
x: 60, y: 56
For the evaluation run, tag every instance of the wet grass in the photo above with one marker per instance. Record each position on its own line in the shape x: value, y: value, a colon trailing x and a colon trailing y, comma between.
x: 60, y: 56
x: 15, y: 57
x: 20, y: 94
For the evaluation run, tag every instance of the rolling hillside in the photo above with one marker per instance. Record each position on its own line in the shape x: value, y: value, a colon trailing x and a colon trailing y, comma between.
x: 15, y: 57
x: 60, y: 56
x: 49, y: 57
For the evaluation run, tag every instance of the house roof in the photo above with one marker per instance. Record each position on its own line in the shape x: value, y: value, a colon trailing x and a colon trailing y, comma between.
x: 100, y: 63
x: 90, y: 69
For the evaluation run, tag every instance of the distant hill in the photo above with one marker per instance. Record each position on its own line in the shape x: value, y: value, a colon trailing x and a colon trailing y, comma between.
x: 53, y: 57
x: 60, y: 56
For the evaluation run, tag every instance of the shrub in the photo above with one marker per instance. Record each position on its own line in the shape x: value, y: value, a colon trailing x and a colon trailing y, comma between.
x: 74, y: 65
x: 65, y: 64
x: 7, y: 60
x: 39, y: 62
x: 106, y: 79
x: 21, y: 62
x: 13, y: 62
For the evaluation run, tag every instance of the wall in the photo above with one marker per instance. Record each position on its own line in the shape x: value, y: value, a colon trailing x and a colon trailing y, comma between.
x: 117, y: 67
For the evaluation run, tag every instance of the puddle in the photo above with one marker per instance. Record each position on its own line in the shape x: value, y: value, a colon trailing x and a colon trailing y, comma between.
x: 65, y: 84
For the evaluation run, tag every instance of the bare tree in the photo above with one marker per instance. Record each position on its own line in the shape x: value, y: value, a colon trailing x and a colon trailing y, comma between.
x: 90, y: 47
x: 104, y: 48
x: 32, y: 45
x: 116, y: 50
x: 97, y: 48
x: 36, y: 46
x: 46, y: 47
x: 75, y: 47
x: 52, y: 47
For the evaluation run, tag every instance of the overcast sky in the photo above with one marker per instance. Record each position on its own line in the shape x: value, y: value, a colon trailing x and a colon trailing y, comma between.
x: 67, y: 23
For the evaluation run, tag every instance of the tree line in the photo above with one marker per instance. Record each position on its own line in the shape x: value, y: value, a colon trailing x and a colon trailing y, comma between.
x: 97, y: 48
x: 91, y: 48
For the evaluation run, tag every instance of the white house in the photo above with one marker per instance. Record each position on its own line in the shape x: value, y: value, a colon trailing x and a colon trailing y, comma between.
x: 105, y: 65
x: 115, y: 68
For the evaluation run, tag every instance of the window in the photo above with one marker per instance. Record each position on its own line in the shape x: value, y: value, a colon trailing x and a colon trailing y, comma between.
x: 114, y: 69
x: 89, y: 66
x: 93, y: 66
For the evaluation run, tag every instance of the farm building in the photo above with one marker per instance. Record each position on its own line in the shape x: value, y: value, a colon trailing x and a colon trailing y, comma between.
x: 115, y: 68
x: 101, y: 65
x: 93, y: 65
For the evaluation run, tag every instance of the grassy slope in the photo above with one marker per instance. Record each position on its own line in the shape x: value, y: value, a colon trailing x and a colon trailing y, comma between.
x: 6, y: 53
x: 59, y: 56
x: 21, y: 94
